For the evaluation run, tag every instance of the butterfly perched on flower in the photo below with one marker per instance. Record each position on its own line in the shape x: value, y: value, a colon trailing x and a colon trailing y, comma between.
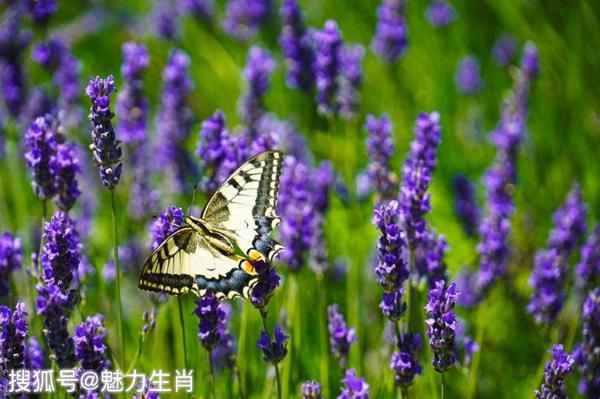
x: 216, y: 252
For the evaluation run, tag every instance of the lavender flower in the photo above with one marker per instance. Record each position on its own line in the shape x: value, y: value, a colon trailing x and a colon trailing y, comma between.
x: 587, y: 271
x: 340, y: 336
x: 468, y: 76
x: 569, y: 223
x: 35, y: 356
x: 90, y: 346
x: 441, y: 326
x: 67, y: 168
x: 417, y: 172
x: 143, y: 195
x: 555, y: 372
x: 405, y: 362
x: 465, y: 205
x: 273, y: 351
x: 530, y: 61
x: 166, y: 224
x: 380, y: 147
x: 467, y: 285
x: 327, y: 43
x: 429, y: 259
x: 106, y: 148
x: 311, y: 390
x: 143, y: 391
x: 41, y: 10
x: 166, y: 19
x: 295, y: 46
x: 132, y: 106
x: 11, y: 255
x: 203, y: 10
x: 13, y: 42
x: 349, y: 79
x: 245, y: 17
x: 55, y: 306
x: 61, y: 252
x: 586, y: 354
x: 224, y: 353
x: 13, y: 333
x: 391, y: 269
x: 355, y: 387
x: 212, y: 317
x: 440, y: 13
x: 294, y: 205
x: 267, y: 281
x: 391, y: 35
x: 465, y: 345
x: 504, y: 50
x: 40, y: 144
x: 322, y: 182
x: 259, y: 66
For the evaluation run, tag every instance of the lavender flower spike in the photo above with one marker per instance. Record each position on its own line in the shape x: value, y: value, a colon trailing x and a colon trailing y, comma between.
x: 267, y: 281
x: 586, y: 353
x: 327, y: 43
x: 90, y: 346
x: 340, y: 336
x: 311, y: 390
x: 40, y: 144
x: 67, y: 168
x: 295, y: 47
x: 259, y: 66
x: 105, y: 148
x: 569, y: 223
x: 441, y: 326
x: 132, y: 106
x: 11, y: 255
x: 61, y: 252
x: 13, y: 333
x: 440, y: 13
x: 465, y: 205
x: 587, y: 271
x: 166, y: 224
x: 245, y: 17
x: 380, y: 147
x: 504, y: 50
x: 555, y: 372
x: 273, y: 351
x: 349, y: 79
x: 405, y: 362
x: 355, y: 387
x: 41, y: 10
x: 212, y: 317
x: 468, y: 76
x: 391, y: 36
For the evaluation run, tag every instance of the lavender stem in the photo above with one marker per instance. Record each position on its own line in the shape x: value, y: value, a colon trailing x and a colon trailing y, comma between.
x: 323, y: 337
x: 263, y: 314
x: 117, y: 279
x: 182, y: 322
x: 443, y: 385
x: 211, y: 374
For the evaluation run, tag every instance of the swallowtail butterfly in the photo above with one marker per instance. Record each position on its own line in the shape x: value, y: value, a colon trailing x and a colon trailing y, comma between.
x: 215, y: 252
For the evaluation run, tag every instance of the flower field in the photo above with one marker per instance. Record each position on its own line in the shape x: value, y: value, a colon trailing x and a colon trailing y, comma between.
x: 299, y: 199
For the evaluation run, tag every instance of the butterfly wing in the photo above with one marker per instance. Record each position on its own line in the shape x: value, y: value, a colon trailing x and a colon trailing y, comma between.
x: 243, y: 207
x: 185, y: 262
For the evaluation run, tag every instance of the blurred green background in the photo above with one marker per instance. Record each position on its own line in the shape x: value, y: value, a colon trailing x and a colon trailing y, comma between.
x: 562, y: 145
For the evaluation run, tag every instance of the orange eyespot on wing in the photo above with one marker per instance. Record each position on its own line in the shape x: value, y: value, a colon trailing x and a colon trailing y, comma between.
x: 248, y: 267
x: 255, y: 255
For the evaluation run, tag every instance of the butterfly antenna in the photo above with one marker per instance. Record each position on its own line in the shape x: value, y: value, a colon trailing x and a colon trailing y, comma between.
x: 193, y: 199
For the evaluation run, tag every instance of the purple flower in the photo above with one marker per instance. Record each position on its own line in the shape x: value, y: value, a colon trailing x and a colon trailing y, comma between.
x: 13, y: 334
x: 41, y: 10
x: 106, y: 148
x: 216, y: 151
x: 468, y: 76
x: 244, y: 18
x: 295, y: 46
x: 132, y: 106
x: 166, y: 224
x: 224, y: 353
x: 149, y: 322
x: 67, y: 168
x: 555, y: 372
x: 143, y: 196
x: 586, y: 353
x: 569, y: 223
x: 465, y: 204
x: 380, y: 147
x: 203, y: 10
x: 55, y: 306
x: 61, y: 252
x: 311, y: 390
x: 441, y: 326
x: 257, y: 72
x: 322, y: 182
x: 90, y: 346
x: 355, y: 387
x: 405, y: 362
x: 465, y: 345
x: 40, y: 144
x: 429, y: 258
x: 530, y: 61
x: 340, y: 336
x: 11, y: 255
x: 467, y: 285
x: 13, y: 42
x: 273, y: 351
x: 296, y: 208
x: 391, y: 269
x: 327, y: 44
x: 212, y: 317
x: 504, y: 50
x: 166, y: 19
x: 391, y: 35
x: 35, y: 356
x: 267, y: 281
x: 440, y: 14
x: 349, y: 79
x: 143, y: 391
x: 587, y: 270
x: 417, y: 172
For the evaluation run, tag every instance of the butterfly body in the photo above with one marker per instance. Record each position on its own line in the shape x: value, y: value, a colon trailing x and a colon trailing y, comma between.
x: 215, y: 252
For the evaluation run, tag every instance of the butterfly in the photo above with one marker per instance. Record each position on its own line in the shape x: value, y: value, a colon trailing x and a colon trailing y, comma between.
x: 216, y: 251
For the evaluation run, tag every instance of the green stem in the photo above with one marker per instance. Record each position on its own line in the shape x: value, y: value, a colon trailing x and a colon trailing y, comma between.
x: 182, y: 323
x: 263, y: 315
x: 404, y: 393
x: 476, y: 357
x: 138, y: 353
x: 117, y: 278
x: 240, y: 386
x: 443, y: 385
x: 211, y: 374
x: 242, y: 377
x: 323, y: 336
